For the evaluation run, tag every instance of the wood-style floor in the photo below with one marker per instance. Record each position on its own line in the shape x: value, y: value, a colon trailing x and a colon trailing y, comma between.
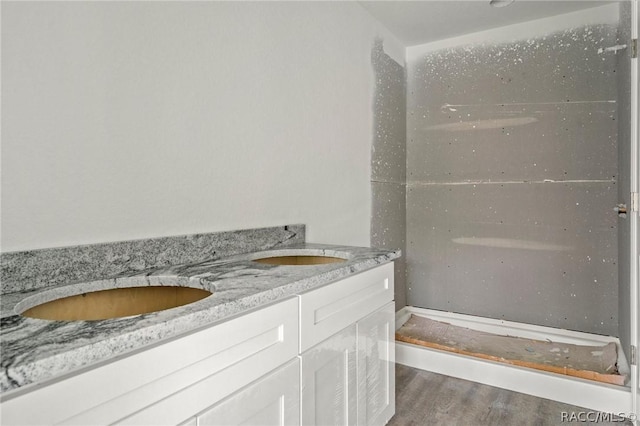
x: 425, y: 398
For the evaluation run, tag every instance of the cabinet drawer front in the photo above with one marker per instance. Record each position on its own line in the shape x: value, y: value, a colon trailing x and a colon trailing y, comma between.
x: 108, y: 393
x: 326, y: 310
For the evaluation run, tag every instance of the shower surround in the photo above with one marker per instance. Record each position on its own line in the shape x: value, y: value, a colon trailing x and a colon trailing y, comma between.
x: 512, y: 171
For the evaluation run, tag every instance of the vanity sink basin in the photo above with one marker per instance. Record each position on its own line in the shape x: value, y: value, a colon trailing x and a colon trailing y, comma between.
x: 299, y: 257
x: 299, y: 260
x: 115, y: 303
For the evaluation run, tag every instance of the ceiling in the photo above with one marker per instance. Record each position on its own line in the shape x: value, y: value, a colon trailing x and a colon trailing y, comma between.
x: 418, y: 22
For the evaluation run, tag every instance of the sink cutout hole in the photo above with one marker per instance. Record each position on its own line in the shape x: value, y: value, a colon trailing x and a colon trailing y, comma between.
x: 299, y: 260
x: 116, y: 303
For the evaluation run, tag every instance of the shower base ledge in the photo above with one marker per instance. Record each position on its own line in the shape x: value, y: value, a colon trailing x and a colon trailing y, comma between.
x: 566, y: 389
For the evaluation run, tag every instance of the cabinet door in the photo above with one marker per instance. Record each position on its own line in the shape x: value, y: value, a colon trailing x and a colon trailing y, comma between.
x: 329, y: 381
x: 272, y: 400
x: 376, y: 369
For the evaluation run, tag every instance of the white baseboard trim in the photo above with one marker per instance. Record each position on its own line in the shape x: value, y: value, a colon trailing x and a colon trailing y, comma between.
x: 570, y: 390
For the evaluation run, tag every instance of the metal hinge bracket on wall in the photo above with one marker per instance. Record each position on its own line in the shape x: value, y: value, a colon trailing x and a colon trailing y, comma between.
x: 634, y: 48
x: 634, y: 356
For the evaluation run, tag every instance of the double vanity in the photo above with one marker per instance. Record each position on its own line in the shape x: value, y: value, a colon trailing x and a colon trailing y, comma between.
x: 267, y: 331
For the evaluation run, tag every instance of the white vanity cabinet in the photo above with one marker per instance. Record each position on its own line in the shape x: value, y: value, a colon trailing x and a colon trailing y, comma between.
x: 171, y: 382
x: 324, y: 357
x: 347, y: 344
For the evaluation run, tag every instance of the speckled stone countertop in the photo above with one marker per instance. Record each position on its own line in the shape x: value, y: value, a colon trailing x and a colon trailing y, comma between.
x: 36, y: 350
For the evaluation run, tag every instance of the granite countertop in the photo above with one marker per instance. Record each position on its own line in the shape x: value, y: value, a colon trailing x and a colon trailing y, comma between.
x: 36, y: 350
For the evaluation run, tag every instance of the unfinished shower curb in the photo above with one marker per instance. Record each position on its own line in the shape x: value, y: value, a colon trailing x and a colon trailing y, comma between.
x: 570, y: 390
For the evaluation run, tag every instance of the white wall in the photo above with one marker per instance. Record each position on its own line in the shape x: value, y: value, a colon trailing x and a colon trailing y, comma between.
x: 139, y: 119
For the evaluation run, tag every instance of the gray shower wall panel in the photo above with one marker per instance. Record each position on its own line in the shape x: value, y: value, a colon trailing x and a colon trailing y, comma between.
x: 388, y: 162
x: 624, y: 186
x: 576, y: 143
x: 543, y: 254
x: 511, y: 180
x: 529, y: 110
x: 388, y: 229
